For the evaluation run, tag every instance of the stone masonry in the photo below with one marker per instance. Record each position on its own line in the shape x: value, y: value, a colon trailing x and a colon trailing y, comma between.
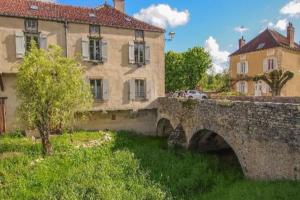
x: 264, y: 136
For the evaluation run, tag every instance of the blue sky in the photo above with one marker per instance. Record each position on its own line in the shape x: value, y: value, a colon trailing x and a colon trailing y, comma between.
x: 213, y: 22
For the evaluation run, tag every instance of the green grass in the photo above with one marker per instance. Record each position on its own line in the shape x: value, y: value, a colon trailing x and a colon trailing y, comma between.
x: 124, y: 166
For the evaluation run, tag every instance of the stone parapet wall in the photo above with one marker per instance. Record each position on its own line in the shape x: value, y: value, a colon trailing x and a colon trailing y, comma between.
x: 293, y: 100
x: 264, y: 136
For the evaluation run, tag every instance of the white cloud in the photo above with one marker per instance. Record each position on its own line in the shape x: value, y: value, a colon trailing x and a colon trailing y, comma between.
x: 292, y: 8
x: 280, y: 25
x: 163, y: 15
x: 241, y: 29
x: 220, y: 58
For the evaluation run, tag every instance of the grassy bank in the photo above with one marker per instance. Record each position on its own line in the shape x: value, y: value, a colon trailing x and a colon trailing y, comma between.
x: 114, y: 166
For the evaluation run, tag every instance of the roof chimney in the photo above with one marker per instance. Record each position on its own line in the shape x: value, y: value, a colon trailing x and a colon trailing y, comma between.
x: 291, y: 35
x: 120, y: 5
x: 242, y: 42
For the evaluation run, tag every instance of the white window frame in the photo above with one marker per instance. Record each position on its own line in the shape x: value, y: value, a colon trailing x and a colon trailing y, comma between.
x: 139, y: 53
x: 31, y: 25
x: 242, y: 87
x: 93, y: 51
x: 243, y: 68
x: 97, y: 91
x: 271, y: 64
x: 140, y: 88
x: 95, y: 29
x: 32, y: 36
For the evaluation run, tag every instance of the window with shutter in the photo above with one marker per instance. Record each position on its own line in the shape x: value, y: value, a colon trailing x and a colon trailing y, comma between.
x: 104, y: 50
x: 132, y: 89
x: 140, y: 89
x: 95, y: 49
x: 131, y: 53
x: 20, y: 44
x: 105, y: 89
x: 43, y: 41
x: 31, y: 25
x: 97, y: 89
x: 147, y: 55
x: 139, y: 53
x: 85, y: 48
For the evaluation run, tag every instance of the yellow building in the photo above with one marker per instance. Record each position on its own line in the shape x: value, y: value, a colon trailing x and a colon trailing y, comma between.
x: 268, y: 51
x: 122, y: 57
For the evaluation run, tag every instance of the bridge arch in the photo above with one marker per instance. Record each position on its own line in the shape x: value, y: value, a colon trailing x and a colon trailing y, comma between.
x: 164, y: 127
x: 209, y: 141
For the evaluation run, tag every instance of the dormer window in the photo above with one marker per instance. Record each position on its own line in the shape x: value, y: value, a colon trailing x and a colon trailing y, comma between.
x: 94, y: 30
x: 93, y: 15
x: 31, y: 25
x: 34, y: 7
x: 261, y: 45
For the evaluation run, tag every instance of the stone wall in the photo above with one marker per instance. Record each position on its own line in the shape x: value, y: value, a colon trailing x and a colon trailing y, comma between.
x: 142, y: 121
x: 294, y: 100
x: 264, y: 136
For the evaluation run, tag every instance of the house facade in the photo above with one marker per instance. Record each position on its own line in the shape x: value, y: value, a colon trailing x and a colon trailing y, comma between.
x: 268, y: 51
x: 122, y: 58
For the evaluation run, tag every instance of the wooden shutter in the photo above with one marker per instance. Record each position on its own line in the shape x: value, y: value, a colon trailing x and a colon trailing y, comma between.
x: 85, y: 48
x: 246, y: 87
x: 247, y: 67
x: 238, y: 87
x: 239, y: 68
x: 104, y: 50
x: 43, y: 41
x: 132, y: 89
x: 275, y: 63
x: 105, y: 89
x: 265, y: 65
x: 147, y: 54
x: 149, y: 89
x: 20, y: 44
x: 131, y: 53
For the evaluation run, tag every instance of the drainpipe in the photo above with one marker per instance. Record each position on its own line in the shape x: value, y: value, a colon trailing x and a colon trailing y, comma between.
x: 66, y: 38
x: 1, y: 82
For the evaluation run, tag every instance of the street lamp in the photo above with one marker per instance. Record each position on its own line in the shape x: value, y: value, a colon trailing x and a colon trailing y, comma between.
x: 171, y: 36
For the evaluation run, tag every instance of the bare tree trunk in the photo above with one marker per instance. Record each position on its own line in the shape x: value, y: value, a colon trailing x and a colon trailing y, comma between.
x: 46, y: 145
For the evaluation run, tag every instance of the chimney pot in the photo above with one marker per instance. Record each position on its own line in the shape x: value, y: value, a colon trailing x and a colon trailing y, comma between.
x: 120, y: 5
x: 242, y: 42
x: 291, y: 35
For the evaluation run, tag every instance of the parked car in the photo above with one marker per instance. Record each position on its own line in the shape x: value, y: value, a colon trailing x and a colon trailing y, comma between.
x: 194, y: 94
x: 179, y: 94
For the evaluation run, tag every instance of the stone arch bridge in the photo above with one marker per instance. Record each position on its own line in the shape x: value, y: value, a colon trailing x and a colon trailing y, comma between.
x: 264, y: 136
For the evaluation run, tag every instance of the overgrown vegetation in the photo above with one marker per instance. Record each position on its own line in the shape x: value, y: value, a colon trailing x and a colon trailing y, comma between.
x: 114, y: 166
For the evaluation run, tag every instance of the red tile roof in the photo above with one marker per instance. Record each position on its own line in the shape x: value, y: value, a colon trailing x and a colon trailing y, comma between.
x: 267, y: 39
x: 105, y: 15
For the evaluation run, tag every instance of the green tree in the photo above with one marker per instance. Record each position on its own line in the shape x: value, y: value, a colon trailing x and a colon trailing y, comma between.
x: 51, y: 90
x: 196, y: 62
x: 174, y: 69
x: 185, y: 70
x: 216, y: 82
x: 276, y: 79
